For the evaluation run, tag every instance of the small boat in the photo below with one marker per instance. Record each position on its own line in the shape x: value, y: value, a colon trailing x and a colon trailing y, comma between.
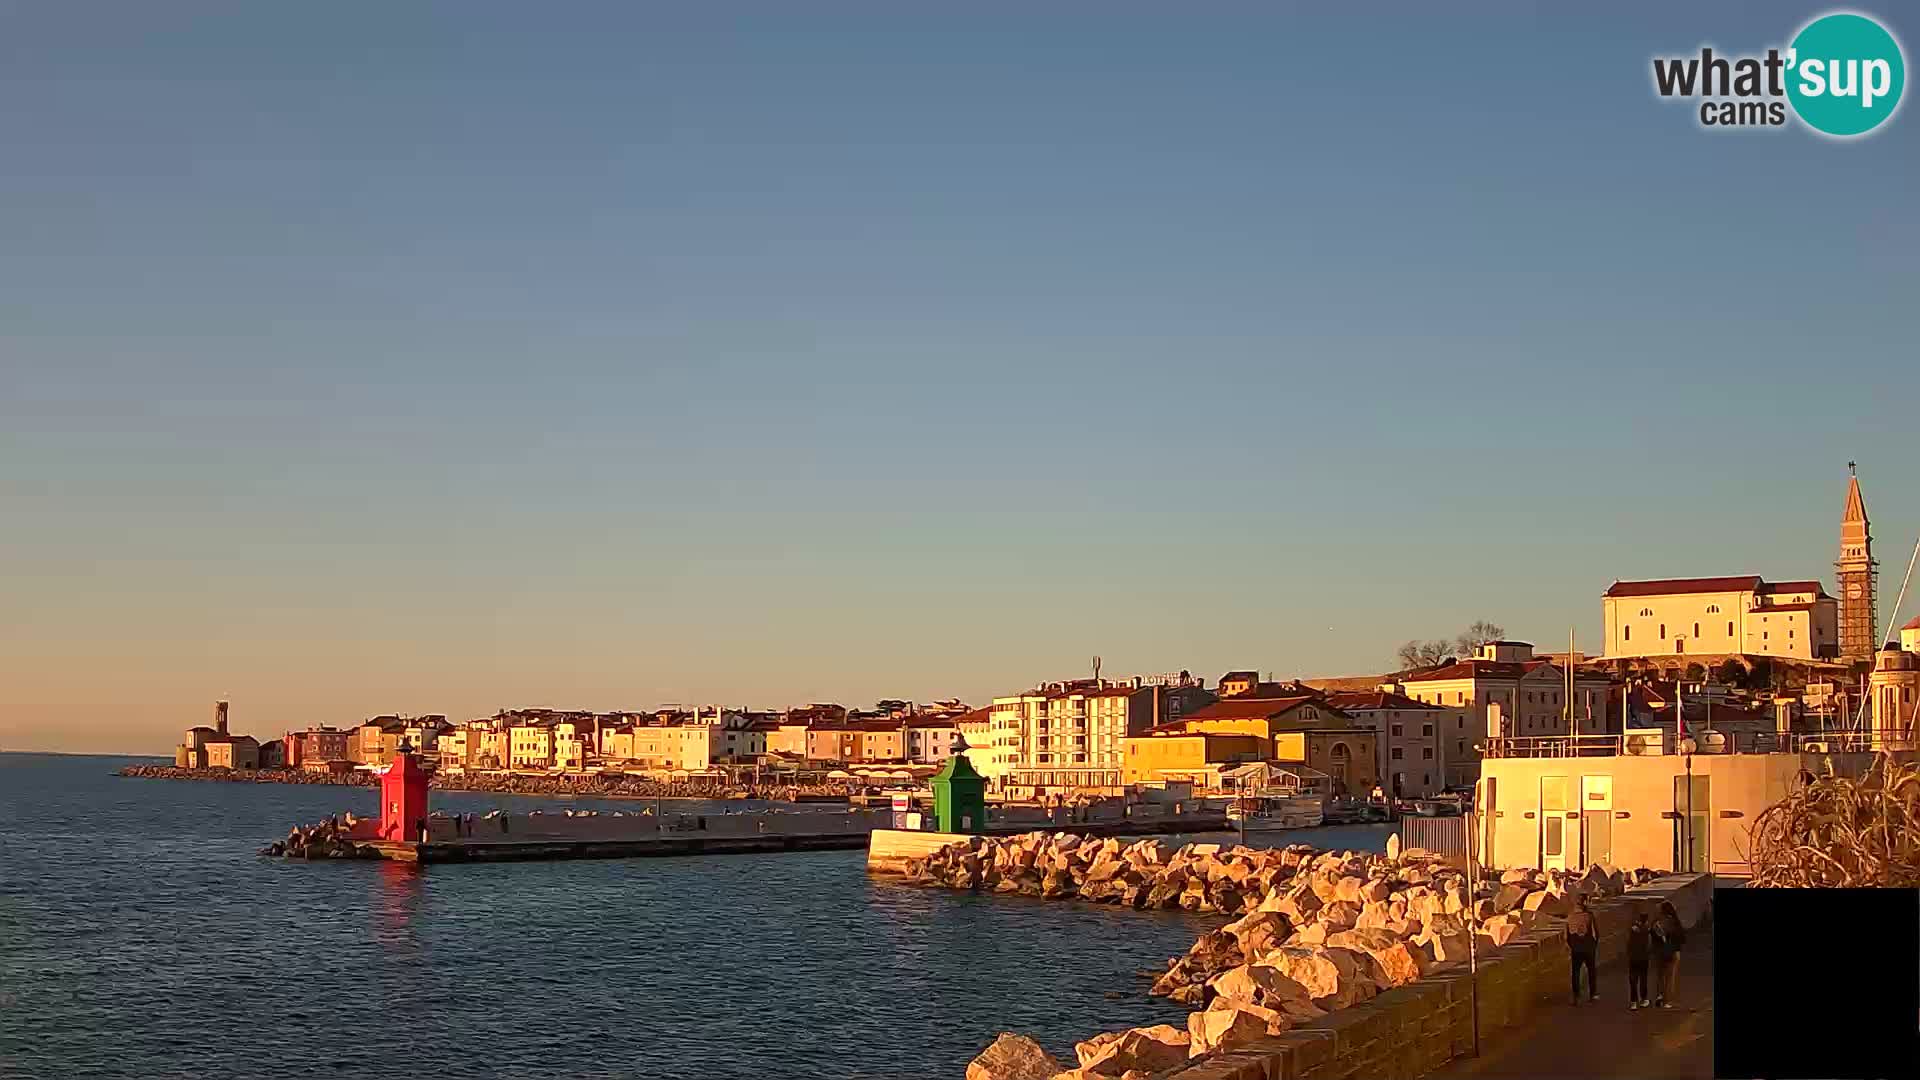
x: 1290, y: 799
x: 1271, y: 813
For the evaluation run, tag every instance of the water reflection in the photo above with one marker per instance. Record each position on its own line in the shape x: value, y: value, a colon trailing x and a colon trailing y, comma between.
x: 399, y: 895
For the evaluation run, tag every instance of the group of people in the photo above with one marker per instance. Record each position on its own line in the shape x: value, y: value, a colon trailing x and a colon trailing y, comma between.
x: 1653, y: 948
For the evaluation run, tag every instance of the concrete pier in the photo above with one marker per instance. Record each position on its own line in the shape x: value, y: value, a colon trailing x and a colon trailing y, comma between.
x: 459, y: 851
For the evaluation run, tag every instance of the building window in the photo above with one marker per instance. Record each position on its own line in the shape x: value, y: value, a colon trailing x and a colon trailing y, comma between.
x: 1426, y: 730
x: 1626, y: 633
x: 1646, y: 613
x: 1663, y: 631
x: 1396, y: 731
x: 1729, y: 629
x: 1460, y: 698
x: 1696, y: 629
x: 1396, y: 753
x: 1426, y: 753
x: 1713, y: 609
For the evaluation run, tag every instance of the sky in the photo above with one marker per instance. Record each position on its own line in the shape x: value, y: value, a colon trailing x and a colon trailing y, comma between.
x: 448, y: 357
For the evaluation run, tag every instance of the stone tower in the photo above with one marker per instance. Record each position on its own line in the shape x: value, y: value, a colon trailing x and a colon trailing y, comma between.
x: 1857, y: 575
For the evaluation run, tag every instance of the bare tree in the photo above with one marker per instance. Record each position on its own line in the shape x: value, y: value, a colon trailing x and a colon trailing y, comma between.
x: 1418, y: 654
x: 1481, y: 632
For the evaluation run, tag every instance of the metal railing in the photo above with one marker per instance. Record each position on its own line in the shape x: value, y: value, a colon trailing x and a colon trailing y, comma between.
x: 1710, y: 741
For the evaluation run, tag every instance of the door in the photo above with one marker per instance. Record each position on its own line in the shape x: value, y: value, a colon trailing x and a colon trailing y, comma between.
x: 1692, y: 824
x: 1553, y: 822
x: 1596, y: 820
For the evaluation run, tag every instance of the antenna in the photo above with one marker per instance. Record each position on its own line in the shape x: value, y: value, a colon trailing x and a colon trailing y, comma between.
x: 1096, y: 669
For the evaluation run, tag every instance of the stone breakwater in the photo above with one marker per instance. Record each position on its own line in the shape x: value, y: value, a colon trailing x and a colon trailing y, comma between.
x: 325, y: 840
x: 591, y: 785
x: 1315, y: 932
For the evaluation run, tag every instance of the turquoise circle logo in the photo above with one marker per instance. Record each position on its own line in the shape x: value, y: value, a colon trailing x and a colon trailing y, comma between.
x: 1845, y: 74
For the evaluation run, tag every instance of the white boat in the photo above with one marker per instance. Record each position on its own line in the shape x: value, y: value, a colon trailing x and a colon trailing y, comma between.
x: 1271, y: 813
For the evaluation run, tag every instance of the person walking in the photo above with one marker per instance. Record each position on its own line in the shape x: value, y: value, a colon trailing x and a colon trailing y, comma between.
x: 1669, y: 937
x: 1639, y: 945
x: 1583, y: 942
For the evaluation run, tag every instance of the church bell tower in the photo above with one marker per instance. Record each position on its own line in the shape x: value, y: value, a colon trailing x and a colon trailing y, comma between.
x: 1857, y: 575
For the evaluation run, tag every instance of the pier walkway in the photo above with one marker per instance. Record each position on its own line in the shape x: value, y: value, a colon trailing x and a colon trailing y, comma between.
x: 1605, y: 1038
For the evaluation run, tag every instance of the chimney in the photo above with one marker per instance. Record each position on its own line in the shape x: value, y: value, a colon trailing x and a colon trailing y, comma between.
x: 220, y: 717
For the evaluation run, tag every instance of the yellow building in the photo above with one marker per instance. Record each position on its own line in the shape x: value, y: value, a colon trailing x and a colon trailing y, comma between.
x: 1298, y: 729
x: 1198, y: 757
x: 684, y: 747
x: 978, y: 732
x: 530, y: 744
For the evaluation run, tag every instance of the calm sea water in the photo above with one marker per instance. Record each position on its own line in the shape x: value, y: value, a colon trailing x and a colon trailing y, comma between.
x: 140, y: 935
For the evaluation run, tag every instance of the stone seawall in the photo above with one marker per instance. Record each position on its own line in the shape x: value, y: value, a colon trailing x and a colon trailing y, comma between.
x: 1415, y: 1029
x: 1339, y: 963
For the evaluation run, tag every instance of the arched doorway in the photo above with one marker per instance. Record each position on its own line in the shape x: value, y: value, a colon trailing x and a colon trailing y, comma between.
x: 1340, y: 767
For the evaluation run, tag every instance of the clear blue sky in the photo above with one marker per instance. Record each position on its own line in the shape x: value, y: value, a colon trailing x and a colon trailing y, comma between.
x: 444, y: 357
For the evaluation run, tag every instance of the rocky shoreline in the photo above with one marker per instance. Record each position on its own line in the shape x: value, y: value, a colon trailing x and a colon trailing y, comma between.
x: 1315, y: 931
x: 592, y: 785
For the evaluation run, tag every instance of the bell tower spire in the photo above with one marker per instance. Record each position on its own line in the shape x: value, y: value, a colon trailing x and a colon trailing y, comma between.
x: 1857, y: 576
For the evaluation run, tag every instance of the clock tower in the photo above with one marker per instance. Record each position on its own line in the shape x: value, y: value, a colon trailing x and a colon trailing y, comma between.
x: 1857, y: 574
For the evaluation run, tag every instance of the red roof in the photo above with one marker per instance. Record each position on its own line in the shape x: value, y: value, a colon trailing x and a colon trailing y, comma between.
x: 1813, y: 587
x: 1738, y: 583
x: 1252, y: 708
x: 1480, y: 669
x: 1375, y: 699
x: 1741, y: 583
x: 1912, y: 624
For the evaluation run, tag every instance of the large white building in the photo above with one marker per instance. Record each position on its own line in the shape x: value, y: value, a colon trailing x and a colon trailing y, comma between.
x: 1721, y: 616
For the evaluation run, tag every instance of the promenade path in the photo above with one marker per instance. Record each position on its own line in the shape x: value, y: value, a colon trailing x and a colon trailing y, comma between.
x: 1605, y: 1038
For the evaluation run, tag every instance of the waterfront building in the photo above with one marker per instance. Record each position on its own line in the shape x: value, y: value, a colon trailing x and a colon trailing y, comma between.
x: 656, y: 747
x: 1638, y: 800
x: 789, y: 738
x: 930, y: 736
x: 1068, y: 735
x: 530, y: 742
x: 375, y: 740
x: 977, y: 731
x: 1301, y: 729
x: 575, y: 738
x: 316, y: 748
x: 214, y: 747
x: 1528, y: 695
x: 423, y: 734
x: 1199, y: 758
x: 233, y: 752
x: 1409, y: 734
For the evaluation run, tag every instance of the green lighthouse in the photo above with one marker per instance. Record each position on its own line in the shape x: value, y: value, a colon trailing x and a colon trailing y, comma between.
x: 959, y: 794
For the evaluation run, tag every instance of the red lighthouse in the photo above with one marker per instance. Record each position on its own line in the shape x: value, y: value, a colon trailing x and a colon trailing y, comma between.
x: 403, y: 798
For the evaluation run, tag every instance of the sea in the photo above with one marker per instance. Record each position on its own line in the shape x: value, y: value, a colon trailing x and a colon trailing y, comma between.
x: 142, y: 935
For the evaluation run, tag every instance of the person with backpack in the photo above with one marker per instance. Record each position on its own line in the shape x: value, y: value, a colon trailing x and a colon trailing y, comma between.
x: 1583, y: 943
x: 1669, y: 937
x: 1639, y: 947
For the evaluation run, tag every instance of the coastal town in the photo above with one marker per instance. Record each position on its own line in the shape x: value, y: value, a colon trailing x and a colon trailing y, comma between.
x: 1723, y: 670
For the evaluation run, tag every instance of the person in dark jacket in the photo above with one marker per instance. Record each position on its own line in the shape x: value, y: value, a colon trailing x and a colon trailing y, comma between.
x: 1583, y: 942
x: 1639, y: 950
x: 1669, y: 937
